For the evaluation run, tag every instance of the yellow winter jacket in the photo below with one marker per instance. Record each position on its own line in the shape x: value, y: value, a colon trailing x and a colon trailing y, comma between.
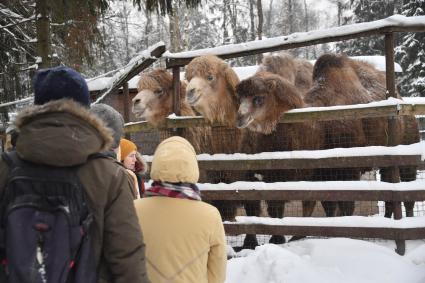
x: 184, y: 239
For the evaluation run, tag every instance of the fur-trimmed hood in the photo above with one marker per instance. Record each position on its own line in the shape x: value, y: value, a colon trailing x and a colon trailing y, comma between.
x: 60, y: 133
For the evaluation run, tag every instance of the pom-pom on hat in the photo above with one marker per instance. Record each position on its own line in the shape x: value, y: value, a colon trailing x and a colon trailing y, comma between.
x: 60, y: 82
x: 126, y: 147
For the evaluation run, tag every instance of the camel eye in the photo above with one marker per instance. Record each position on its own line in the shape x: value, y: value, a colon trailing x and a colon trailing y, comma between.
x: 210, y: 77
x: 258, y: 101
x: 158, y: 91
x: 137, y: 101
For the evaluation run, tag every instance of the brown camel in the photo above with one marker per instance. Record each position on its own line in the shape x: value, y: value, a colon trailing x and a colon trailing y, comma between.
x: 339, y: 80
x: 264, y: 97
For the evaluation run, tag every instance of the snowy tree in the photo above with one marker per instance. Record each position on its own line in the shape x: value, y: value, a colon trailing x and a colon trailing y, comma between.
x: 411, y: 53
x: 367, y: 11
x: 17, y: 48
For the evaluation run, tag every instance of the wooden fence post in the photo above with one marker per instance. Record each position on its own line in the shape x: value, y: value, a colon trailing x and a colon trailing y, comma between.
x: 126, y: 105
x: 176, y: 96
x: 392, y: 128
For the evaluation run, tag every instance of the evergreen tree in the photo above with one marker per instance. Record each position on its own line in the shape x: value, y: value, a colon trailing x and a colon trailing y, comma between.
x: 367, y: 11
x: 411, y: 53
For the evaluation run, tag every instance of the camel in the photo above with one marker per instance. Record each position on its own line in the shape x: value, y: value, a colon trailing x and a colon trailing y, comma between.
x: 211, y: 91
x: 154, y: 103
x: 264, y: 97
x: 339, y: 80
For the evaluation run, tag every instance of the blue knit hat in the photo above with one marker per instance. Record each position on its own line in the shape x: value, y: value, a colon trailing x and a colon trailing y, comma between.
x: 60, y: 82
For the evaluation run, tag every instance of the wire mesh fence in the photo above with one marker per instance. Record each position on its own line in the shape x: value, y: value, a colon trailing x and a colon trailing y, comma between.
x: 332, y: 135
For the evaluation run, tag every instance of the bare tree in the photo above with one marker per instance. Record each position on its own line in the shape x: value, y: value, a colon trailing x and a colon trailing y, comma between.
x: 252, y: 19
x: 269, y: 17
x: 291, y: 17
x: 260, y: 26
x: 43, y: 33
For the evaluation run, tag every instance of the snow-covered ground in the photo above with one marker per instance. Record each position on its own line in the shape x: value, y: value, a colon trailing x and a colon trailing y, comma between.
x: 335, y: 260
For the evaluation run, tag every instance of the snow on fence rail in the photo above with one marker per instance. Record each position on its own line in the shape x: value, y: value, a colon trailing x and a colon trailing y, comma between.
x: 387, y: 108
x: 374, y: 156
x: 396, y: 23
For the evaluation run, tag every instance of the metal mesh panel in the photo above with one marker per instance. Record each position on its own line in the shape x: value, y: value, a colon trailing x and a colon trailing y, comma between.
x: 335, y: 134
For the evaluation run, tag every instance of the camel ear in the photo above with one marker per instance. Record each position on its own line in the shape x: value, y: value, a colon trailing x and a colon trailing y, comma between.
x: 231, y: 78
x: 285, y: 92
x: 277, y: 86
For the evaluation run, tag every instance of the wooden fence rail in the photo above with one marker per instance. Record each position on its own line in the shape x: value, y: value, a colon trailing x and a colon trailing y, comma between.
x: 331, y: 228
x: 322, y: 195
x: 397, y: 234
x: 371, y: 110
x: 311, y: 163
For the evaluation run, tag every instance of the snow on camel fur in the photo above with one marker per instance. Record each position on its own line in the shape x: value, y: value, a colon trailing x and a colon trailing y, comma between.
x: 154, y: 102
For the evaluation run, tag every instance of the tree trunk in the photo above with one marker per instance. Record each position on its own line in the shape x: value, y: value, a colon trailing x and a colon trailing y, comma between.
x: 175, y: 35
x: 291, y: 17
x: 186, y: 29
x: 124, y: 27
x: 260, y: 26
x: 224, y: 26
x: 43, y: 33
x: 339, y: 13
x: 252, y: 19
x: 306, y: 25
x: 269, y: 17
x: 233, y: 20
x: 148, y: 29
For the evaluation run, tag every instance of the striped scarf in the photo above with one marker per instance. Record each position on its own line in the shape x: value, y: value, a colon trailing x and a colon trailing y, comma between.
x: 174, y: 190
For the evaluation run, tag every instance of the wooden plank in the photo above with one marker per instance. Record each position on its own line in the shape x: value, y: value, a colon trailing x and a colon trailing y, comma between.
x: 305, y: 163
x: 155, y: 53
x: 126, y: 102
x: 360, y: 232
x: 292, y: 41
x: 176, y: 92
x: 305, y: 194
x: 294, y: 117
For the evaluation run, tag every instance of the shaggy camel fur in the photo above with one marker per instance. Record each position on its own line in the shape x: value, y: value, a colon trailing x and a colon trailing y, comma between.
x: 339, y: 80
x: 299, y: 72
x: 264, y: 97
x: 375, y: 82
x: 211, y: 91
x: 154, y: 102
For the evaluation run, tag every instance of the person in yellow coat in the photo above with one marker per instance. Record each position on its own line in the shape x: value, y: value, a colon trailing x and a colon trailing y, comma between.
x: 184, y: 236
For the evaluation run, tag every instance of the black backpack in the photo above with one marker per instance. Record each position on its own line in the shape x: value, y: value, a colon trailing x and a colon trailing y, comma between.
x: 44, y: 225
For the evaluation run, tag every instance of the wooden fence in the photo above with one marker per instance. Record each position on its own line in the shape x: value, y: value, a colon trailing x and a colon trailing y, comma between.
x: 392, y: 158
x: 399, y: 233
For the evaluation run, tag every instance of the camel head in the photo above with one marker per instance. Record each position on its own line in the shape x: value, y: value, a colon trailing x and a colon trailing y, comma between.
x: 154, y: 100
x: 211, y: 89
x: 263, y: 98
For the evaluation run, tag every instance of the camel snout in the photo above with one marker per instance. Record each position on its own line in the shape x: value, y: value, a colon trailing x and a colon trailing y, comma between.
x: 242, y: 121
